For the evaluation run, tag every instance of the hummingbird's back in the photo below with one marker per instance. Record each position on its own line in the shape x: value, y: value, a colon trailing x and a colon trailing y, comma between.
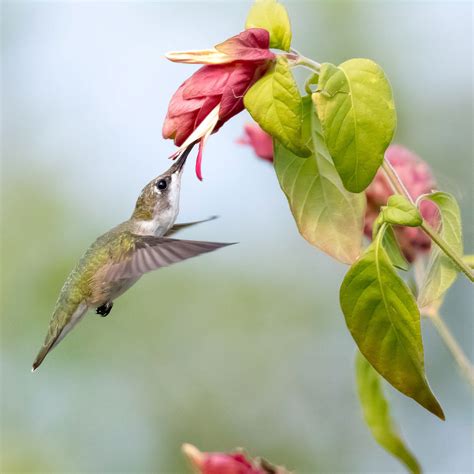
x: 84, y: 282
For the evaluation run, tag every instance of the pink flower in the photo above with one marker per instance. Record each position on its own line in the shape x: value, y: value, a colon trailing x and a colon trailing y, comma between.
x: 259, y: 140
x: 220, y: 463
x: 214, y: 93
x: 228, y: 463
x: 418, y: 179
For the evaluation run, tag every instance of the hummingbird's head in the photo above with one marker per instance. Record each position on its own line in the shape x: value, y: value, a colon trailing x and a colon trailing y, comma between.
x: 158, y: 204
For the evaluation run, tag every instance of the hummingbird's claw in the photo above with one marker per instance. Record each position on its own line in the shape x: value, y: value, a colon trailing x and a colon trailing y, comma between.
x: 105, y: 309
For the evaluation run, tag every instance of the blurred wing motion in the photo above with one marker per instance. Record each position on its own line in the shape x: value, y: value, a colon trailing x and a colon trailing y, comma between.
x: 151, y: 253
x: 178, y: 227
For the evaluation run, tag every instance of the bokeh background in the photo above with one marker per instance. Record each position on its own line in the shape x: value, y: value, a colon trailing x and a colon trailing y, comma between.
x: 243, y: 347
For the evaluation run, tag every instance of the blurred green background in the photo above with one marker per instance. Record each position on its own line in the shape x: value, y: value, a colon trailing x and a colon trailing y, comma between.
x: 244, y: 347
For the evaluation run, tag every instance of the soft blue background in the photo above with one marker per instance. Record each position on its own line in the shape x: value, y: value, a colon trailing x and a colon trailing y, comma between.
x: 244, y: 347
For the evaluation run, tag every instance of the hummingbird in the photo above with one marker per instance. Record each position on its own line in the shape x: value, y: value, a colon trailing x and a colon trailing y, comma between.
x: 118, y: 258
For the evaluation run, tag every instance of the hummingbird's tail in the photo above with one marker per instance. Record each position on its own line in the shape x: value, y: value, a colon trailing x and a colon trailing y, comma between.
x: 41, y: 355
x: 59, y: 326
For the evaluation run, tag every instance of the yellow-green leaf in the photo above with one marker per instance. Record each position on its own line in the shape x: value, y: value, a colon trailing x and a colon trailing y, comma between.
x: 400, y: 211
x: 276, y: 105
x: 441, y: 271
x: 327, y: 215
x: 376, y: 413
x: 384, y: 320
x: 390, y: 244
x: 355, y: 105
x: 469, y: 260
x: 273, y: 17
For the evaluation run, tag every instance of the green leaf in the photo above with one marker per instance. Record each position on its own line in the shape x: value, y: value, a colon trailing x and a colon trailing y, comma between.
x: 355, y: 105
x: 390, y: 244
x: 383, y: 318
x: 441, y: 271
x: 327, y: 215
x: 400, y: 211
x: 276, y: 105
x: 469, y: 260
x: 273, y: 17
x: 311, y: 80
x: 377, y: 225
x: 376, y: 413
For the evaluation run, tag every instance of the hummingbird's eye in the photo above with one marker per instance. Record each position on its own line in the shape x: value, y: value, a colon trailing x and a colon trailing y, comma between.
x: 162, y: 184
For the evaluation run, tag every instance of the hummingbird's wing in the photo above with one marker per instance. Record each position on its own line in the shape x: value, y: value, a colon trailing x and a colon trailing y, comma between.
x: 150, y: 253
x: 178, y: 227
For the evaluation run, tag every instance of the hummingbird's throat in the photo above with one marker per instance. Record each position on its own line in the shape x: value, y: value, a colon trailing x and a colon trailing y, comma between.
x: 156, y: 226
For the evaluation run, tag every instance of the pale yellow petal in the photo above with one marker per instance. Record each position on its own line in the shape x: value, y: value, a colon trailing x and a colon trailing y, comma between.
x: 194, y: 455
x: 203, y: 56
x: 204, y: 129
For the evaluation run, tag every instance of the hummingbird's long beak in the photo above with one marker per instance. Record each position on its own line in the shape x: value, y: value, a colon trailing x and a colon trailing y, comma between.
x: 179, y: 163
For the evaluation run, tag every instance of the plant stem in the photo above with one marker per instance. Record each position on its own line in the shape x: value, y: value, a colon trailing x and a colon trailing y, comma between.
x: 463, y: 362
x: 395, y: 181
x: 447, y: 250
x: 299, y: 60
x: 400, y: 188
x: 308, y: 63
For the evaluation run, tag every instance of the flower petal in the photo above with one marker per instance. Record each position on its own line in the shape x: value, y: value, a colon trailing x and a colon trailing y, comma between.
x: 199, y: 160
x: 238, y: 83
x: 207, y: 81
x: 207, y: 106
x: 202, y: 143
x: 250, y: 45
x: 203, y: 56
x: 206, y: 127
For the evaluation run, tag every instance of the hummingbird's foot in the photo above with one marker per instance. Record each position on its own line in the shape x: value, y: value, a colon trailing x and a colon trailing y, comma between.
x: 105, y: 309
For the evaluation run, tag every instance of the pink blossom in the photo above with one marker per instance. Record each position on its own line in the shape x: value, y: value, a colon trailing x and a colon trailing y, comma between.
x: 215, y: 93
x: 418, y: 179
x: 221, y: 463
x: 259, y: 140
